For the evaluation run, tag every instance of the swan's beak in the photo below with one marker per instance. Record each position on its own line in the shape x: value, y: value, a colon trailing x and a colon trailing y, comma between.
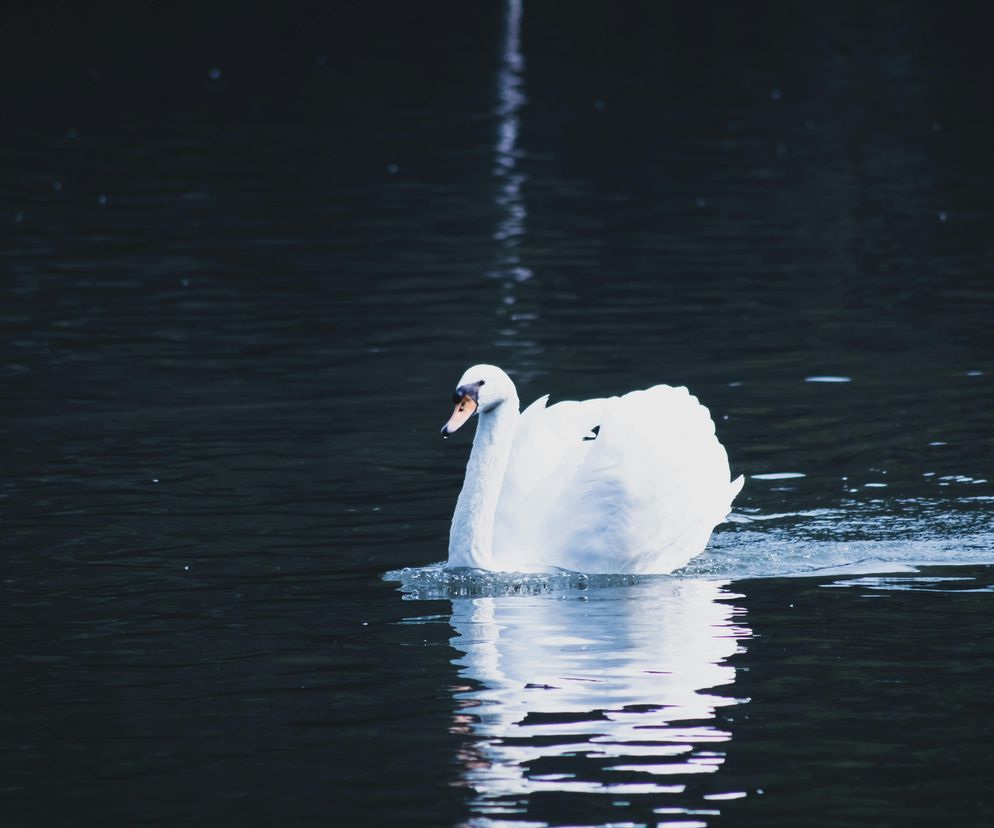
x: 464, y: 409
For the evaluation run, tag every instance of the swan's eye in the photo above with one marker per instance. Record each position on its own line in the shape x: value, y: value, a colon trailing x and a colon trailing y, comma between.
x: 468, y: 392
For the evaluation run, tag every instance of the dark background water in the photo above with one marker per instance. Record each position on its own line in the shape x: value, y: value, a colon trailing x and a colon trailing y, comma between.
x: 247, y: 249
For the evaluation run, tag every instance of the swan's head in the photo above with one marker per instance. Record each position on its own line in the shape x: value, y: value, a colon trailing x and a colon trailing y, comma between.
x: 481, y: 389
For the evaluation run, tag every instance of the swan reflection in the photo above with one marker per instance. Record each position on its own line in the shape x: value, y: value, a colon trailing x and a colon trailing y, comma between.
x: 609, y: 692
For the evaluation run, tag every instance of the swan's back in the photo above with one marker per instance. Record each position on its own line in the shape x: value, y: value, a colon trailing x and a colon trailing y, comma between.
x: 643, y: 496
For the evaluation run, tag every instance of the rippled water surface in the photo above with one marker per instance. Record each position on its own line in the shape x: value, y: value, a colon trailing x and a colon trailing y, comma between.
x: 246, y: 251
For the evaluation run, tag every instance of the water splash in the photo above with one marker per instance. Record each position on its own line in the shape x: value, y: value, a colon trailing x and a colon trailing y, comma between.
x: 855, y: 540
x: 435, y: 581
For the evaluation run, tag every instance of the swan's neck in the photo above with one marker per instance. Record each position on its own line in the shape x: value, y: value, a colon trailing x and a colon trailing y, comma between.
x: 472, y: 533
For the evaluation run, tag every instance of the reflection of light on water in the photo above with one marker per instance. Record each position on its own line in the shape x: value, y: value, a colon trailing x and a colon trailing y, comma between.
x: 510, y: 99
x: 605, y: 693
x: 510, y: 179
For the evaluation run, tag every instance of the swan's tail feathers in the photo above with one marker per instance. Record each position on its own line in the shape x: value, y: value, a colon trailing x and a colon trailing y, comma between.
x: 733, y: 489
x: 736, y: 487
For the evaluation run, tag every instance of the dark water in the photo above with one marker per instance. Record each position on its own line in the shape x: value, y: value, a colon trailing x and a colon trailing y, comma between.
x: 245, y: 253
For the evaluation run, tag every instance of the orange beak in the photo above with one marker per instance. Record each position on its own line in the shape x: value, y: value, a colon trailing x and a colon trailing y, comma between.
x: 464, y: 409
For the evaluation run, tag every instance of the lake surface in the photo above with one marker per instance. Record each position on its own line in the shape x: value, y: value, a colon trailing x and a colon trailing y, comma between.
x: 246, y: 252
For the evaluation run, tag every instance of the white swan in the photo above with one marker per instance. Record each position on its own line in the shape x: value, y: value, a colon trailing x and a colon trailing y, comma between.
x: 631, y: 484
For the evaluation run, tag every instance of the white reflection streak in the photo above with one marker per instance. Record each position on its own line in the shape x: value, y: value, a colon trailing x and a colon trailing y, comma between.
x: 510, y: 99
x: 622, y: 676
x: 508, y: 197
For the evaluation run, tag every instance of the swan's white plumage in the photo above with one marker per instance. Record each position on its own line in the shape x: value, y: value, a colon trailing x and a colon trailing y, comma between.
x: 642, y: 497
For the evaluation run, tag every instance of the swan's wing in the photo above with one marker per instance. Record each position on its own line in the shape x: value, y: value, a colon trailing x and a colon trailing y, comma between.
x: 648, y: 491
x: 550, y: 444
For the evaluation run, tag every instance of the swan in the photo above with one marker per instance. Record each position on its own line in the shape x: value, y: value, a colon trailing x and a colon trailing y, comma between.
x: 630, y: 484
